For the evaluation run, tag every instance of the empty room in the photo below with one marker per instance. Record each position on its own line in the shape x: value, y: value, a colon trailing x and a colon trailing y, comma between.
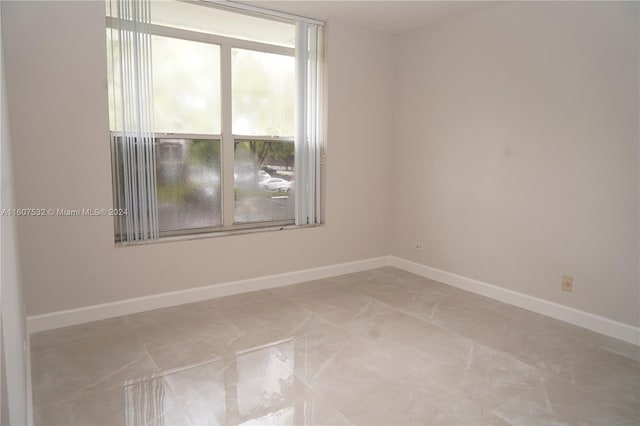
x: 320, y: 212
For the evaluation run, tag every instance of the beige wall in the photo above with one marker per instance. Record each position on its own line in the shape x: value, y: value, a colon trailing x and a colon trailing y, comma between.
x: 56, y: 72
x: 516, y: 148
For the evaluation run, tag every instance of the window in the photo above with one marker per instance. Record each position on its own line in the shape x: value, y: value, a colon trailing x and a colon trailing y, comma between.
x: 214, y: 118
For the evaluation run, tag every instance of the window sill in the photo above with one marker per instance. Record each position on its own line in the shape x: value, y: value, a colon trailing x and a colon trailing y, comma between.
x: 217, y: 234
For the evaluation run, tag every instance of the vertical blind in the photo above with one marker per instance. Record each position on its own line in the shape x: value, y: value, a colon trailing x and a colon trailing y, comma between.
x: 134, y: 149
x: 308, y: 135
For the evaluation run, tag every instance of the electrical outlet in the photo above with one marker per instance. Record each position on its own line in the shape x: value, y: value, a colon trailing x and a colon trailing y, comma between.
x: 567, y: 283
x: 419, y: 246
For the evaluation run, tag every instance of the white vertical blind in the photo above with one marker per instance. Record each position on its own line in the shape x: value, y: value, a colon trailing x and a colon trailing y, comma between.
x: 308, y: 134
x: 135, y: 154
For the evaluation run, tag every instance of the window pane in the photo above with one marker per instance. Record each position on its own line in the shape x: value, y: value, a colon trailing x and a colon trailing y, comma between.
x: 264, y: 181
x: 263, y: 93
x: 186, y: 86
x: 188, y: 177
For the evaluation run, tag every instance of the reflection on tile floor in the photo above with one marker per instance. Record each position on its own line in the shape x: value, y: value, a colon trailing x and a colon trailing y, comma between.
x: 377, y: 347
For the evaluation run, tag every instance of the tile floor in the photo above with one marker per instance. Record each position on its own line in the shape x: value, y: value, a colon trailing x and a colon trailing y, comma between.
x: 375, y: 347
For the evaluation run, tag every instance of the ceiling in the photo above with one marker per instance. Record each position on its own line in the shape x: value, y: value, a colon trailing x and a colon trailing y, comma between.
x: 389, y: 16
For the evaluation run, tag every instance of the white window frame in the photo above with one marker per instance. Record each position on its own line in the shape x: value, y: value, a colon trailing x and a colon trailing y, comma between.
x: 227, y: 138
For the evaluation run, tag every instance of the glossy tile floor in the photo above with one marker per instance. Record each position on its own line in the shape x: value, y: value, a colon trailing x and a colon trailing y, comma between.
x: 375, y: 347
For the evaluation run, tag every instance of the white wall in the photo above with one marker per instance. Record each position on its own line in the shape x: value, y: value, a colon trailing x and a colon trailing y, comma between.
x: 56, y: 72
x: 14, y: 343
x: 516, y: 148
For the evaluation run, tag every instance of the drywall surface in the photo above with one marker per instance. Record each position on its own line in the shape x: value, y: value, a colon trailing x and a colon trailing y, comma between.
x: 57, y: 74
x: 14, y: 346
x: 515, y: 145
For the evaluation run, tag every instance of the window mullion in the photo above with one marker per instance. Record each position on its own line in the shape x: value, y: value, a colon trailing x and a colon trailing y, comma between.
x: 227, y: 137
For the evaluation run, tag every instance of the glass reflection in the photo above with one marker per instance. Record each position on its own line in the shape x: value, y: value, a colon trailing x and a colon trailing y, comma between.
x: 253, y: 387
x: 264, y: 180
x: 188, y: 179
x: 145, y: 402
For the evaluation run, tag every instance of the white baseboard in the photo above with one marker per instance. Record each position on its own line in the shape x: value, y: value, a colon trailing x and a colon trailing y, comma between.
x: 86, y: 314
x: 587, y: 320
x: 577, y: 317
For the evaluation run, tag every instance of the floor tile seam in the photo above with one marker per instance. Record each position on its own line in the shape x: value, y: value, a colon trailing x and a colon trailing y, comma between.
x: 359, y: 340
x: 380, y: 347
x: 119, y: 370
x: 239, y: 331
x: 328, y: 402
x: 458, y: 388
x: 490, y: 309
x: 162, y: 373
x: 591, y: 394
x: 222, y: 356
x: 363, y: 310
x: 175, y: 370
x: 325, y: 363
x: 488, y: 413
x: 395, y: 308
x: 141, y: 341
x: 309, y: 387
x: 179, y: 404
x: 456, y: 391
x: 564, y: 369
x: 290, y: 332
x: 212, y: 357
x: 94, y: 388
x: 63, y: 401
x: 497, y: 414
x: 374, y: 298
x: 225, y: 316
x: 512, y: 355
x: 546, y: 397
x: 302, y: 323
x: 593, y: 397
x: 444, y: 296
x: 312, y: 313
x: 179, y: 401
